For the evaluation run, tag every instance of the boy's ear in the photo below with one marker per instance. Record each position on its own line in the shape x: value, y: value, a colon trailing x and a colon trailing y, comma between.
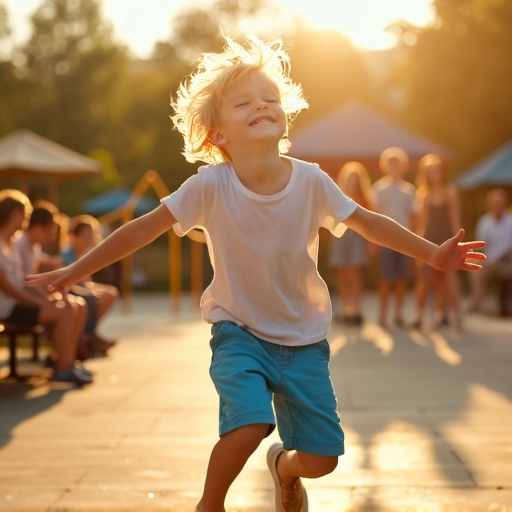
x: 217, y: 137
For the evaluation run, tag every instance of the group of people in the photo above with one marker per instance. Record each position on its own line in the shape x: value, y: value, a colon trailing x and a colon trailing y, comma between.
x: 268, y: 307
x: 429, y: 207
x: 71, y: 315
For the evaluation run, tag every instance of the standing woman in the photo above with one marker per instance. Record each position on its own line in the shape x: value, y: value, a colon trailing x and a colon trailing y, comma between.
x: 348, y: 254
x: 438, y: 220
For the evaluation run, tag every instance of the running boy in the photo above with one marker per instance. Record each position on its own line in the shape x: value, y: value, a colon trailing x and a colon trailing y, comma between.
x: 261, y: 212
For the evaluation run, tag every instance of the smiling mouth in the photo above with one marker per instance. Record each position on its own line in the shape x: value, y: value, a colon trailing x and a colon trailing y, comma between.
x: 262, y: 120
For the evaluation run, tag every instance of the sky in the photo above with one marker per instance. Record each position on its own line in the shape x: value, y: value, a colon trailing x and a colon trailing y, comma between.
x: 140, y: 23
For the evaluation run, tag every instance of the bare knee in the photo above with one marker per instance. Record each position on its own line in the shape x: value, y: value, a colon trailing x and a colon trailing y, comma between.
x: 319, y: 465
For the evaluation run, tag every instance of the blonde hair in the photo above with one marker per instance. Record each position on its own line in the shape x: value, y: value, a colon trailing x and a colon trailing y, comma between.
x: 197, y: 98
x: 363, y: 179
x: 390, y: 154
x: 422, y: 183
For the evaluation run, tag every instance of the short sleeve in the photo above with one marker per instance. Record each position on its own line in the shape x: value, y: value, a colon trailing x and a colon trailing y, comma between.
x: 334, y: 206
x: 188, y: 203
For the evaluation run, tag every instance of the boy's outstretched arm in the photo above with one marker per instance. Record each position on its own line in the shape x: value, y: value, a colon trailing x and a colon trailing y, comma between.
x: 122, y: 242
x: 451, y: 255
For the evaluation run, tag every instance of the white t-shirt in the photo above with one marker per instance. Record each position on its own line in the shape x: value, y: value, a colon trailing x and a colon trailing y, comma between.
x: 10, y: 264
x: 496, y: 234
x: 395, y: 199
x: 264, y: 249
x: 29, y: 254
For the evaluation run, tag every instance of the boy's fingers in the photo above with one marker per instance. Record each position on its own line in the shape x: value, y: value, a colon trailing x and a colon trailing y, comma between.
x: 471, y: 266
x: 475, y: 256
x: 472, y: 245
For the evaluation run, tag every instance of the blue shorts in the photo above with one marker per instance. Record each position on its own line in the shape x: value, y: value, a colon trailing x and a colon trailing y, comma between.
x: 394, y: 265
x: 250, y: 373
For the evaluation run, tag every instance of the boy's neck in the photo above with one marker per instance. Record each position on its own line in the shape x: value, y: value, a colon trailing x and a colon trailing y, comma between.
x: 264, y: 174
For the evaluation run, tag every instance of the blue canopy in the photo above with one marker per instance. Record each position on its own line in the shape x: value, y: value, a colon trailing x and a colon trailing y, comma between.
x: 113, y: 199
x: 494, y: 170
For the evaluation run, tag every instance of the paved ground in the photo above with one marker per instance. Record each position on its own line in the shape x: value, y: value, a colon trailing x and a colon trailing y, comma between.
x: 427, y: 415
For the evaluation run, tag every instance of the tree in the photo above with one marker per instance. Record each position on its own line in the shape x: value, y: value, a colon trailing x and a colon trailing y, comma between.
x: 71, y: 57
x: 329, y: 69
x: 457, y: 77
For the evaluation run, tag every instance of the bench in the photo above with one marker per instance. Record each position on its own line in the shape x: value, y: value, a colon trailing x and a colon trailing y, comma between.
x: 13, y: 330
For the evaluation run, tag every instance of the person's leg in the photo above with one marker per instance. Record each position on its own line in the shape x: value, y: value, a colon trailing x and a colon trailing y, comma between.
x: 293, y: 464
x: 356, y: 285
x: 387, y: 278
x: 243, y: 373
x: 478, y: 281
x: 344, y: 291
x: 80, y: 310
x: 227, y: 459
x: 384, y: 289
x: 400, y: 292
x: 308, y: 424
x: 420, y: 293
x: 441, y: 298
x: 61, y: 316
x: 453, y: 293
x: 403, y: 272
x: 107, y: 296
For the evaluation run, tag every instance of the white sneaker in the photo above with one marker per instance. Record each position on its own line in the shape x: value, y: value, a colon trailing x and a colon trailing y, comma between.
x: 292, y: 498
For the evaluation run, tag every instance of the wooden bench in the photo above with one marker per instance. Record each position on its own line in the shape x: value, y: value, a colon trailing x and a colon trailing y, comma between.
x: 13, y: 330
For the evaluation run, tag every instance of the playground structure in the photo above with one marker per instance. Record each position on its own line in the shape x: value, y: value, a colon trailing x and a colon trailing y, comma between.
x: 151, y: 179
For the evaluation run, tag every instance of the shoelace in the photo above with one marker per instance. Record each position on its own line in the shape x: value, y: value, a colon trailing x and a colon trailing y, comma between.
x: 292, y: 496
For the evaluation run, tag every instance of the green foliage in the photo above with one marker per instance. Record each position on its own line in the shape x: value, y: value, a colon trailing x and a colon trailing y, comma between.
x: 71, y: 83
x: 457, y: 78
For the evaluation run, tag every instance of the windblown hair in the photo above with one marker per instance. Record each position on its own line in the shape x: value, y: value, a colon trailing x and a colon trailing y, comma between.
x: 363, y: 193
x: 198, y: 97
x: 423, y: 184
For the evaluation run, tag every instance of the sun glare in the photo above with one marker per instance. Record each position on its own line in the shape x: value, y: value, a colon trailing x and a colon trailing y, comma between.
x: 362, y: 21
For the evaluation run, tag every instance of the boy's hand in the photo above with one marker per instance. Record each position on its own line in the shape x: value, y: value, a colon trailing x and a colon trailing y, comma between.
x: 51, y: 281
x: 457, y: 255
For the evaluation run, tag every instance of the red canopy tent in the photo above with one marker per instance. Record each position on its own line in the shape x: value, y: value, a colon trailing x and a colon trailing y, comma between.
x: 355, y: 132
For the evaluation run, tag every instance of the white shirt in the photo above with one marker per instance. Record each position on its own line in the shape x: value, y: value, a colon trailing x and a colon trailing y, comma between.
x: 396, y: 199
x: 29, y: 254
x: 10, y: 264
x: 264, y: 249
x: 497, y: 235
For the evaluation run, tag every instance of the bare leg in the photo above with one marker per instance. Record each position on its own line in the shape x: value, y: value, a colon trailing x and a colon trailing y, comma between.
x: 107, y: 296
x: 294, y: 464
x: 354, y: 289
x: 384, y: 288
x: 62, y: 317
x: 343, y: 291
x: 228, y: 458
x: 421, y: 291
x: 440, y: 294
x: 400, y: 291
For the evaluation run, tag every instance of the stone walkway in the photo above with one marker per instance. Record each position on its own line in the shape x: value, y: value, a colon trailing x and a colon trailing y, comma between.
x: 427, y: 416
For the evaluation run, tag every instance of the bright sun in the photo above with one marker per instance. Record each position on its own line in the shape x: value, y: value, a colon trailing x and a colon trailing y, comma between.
x: 363, y: 21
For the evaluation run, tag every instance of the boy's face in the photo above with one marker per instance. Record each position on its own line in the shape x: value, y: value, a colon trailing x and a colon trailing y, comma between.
x: 396, y: 168
x: 47, y: 233
x: 84, y: 240
x: 250, y: 112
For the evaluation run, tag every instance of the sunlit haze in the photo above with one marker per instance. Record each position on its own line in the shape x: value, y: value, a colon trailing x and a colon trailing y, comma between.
x: 140, y: 23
